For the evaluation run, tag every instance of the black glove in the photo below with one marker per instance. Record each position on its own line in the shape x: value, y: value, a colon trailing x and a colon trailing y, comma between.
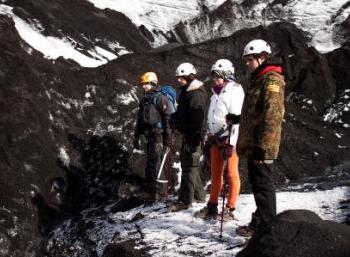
x: 211, y: 140
x: 258, y: 154
x: 136, y: 144
x: 233, y: 118
x: 167, y: 137
x: 226, y: 151
x: 168, y: 141
x: 206, y: 149
x: 190, y: 148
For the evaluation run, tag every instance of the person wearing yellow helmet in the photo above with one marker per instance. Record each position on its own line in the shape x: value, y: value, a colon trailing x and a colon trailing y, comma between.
x: 153, y: 122
x: 148, y: 78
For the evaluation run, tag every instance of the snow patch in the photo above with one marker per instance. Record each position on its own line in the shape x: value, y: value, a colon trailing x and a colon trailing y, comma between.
x: 338, y: 135
x: 125, y: 99
x: 28, y: 167
x: 63, y: 156
x: 53, y: 47
x: 50, y: 116
x: 336, y: 110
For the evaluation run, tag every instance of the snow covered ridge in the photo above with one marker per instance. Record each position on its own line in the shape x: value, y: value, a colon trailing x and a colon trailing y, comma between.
x: 181, y: 234
x: 54, y: 47
x: 317, y: 18
x: 158, y: 15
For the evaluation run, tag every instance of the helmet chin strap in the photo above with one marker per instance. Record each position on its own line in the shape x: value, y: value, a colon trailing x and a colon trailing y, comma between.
x: 257, y: 59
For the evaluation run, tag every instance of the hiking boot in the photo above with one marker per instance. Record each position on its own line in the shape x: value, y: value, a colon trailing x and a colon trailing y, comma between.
x: 200, y: 200
x: 208, y: 212
x: 149, y: 197
x: 228, y: 214
x: 179, y: 206
x: 245, y: 231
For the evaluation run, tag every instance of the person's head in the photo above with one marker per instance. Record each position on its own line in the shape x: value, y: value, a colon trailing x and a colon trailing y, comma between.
x: 222, y: 71
x: 148, y: 80
x: 185, y: 73
x: 256, y: 53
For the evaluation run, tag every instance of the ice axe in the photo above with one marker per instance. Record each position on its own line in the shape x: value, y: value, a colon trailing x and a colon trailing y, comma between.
x: 163, y: 181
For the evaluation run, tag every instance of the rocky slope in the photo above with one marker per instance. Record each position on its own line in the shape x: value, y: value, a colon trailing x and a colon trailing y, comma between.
x: 66, y: 130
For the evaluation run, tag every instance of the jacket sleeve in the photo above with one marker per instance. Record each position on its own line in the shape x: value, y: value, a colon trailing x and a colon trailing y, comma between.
x: 165, y: 114
x: 197, y: 115
x: 138, y: 129
x: 236, y: 108
x: 272, y: 113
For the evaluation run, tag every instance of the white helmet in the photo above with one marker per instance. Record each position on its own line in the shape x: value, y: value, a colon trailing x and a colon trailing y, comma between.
x: 185, y: 69
x: 257, y: 46
x: 224, y: 68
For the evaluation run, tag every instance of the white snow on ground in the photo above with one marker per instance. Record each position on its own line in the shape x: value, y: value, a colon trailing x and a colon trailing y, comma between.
x: 174, y: 233
x: 181, y: 234
x: 53, y: 47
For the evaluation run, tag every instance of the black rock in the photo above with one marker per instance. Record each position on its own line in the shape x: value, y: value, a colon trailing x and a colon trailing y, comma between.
x: 299, y: 233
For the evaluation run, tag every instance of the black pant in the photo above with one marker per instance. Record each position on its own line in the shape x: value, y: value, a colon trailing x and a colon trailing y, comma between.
x: 260, y: 177
x: 154, y: 158
x: 191, y: 185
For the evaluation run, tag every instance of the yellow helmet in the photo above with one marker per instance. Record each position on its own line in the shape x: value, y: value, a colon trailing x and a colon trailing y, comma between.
x: 148, y: 77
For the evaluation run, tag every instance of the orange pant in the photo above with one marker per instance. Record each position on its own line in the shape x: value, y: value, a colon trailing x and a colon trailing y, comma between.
x: 217, y: 172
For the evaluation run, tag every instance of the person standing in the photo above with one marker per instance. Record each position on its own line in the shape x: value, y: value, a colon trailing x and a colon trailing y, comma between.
x: 190, y: 122
x: 224, y: 114
x: 260, y: 132
x: 153, y: 122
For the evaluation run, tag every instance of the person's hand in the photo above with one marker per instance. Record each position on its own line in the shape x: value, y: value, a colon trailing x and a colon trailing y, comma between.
x: 136, y: 144
x: 190, y: 148
x: 206, y: 149
x: 211, y: 139
x: 168, y: 141
x: 232, y: 119
x: 258, y: 155
x: 227, y: 151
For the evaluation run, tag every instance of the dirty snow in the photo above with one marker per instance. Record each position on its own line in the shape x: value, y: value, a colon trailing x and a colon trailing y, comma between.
x: 181, y: 234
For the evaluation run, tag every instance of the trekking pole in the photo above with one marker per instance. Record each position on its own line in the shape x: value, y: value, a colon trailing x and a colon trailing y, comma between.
x: 224, y: 184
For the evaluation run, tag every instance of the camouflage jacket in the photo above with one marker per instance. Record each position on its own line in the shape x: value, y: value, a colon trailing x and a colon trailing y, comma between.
x: 262, y: 114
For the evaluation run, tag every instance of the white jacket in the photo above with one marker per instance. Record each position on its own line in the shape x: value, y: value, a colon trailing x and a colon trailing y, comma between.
x: 230, y: 100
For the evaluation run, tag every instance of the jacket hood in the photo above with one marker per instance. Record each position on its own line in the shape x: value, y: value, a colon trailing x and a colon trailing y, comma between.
x: 265, y: 68
x: 228, y: 85
x: 195, y: 84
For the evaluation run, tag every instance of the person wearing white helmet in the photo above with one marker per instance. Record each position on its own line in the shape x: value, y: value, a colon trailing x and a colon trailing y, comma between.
x: 223, y: 115
x: 260, y: 130
x: 190, y: 123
